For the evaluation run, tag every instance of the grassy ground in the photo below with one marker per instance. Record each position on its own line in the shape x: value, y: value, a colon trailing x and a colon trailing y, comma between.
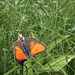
x: 49, y: 21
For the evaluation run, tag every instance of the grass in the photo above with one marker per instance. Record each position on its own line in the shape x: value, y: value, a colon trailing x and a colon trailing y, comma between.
x: 49, y: 21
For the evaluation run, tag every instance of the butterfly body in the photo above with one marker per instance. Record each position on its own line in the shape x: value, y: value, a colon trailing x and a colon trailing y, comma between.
x: 25, y: 47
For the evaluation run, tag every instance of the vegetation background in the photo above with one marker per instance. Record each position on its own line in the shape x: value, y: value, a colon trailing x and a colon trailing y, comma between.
x: 49, y: 21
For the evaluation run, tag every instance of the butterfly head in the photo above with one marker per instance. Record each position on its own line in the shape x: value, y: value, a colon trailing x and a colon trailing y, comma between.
x: 20, y: 37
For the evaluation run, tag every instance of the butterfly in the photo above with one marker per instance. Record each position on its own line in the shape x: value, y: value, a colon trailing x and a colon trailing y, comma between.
x: 25, y: 47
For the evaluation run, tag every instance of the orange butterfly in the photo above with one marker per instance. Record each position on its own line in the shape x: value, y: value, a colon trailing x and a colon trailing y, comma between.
x: 26, y: 47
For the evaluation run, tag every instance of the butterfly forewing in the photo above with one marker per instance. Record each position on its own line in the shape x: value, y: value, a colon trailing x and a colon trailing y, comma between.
x: 38, y: 48
x: 30, y: 42
x: 35, y: 46
x: 19, y: 54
